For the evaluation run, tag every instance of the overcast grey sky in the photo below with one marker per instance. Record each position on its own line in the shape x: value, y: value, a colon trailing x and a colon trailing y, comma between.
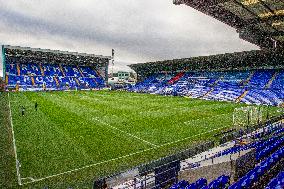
x: 139, y: 30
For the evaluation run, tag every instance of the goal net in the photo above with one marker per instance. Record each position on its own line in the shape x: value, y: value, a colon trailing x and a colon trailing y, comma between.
x: 246, y: 116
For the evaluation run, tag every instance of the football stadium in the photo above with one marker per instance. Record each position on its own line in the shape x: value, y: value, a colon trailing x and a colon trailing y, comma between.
x: 206, y: 122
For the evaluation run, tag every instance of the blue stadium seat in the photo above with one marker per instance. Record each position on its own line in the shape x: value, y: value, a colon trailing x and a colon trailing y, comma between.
x: 53, y: 77
x: 221, y: 86
x: 191, y: 186
x: 201, y: 182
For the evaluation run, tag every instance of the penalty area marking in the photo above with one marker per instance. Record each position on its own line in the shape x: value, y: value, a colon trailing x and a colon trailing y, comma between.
x: 14, y: 144
x: 29, y: 178
x: 118, y: 158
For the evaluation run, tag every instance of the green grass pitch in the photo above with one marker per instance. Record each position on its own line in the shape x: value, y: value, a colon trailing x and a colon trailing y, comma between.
x: 78, y: 136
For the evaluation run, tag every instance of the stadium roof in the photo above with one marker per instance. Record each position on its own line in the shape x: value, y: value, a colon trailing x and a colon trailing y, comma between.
x: 53, y: 56
x: 54, y: 51
x: 257, y: 21
x: 257, y: 59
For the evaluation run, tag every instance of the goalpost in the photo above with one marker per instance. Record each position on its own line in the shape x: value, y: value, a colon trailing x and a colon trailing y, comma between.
x: 246, y: 116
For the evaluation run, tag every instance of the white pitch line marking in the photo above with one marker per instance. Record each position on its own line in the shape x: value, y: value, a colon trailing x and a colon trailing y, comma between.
x: 87, y: 166
x: 177, y: 141
x: 14, y: 144
x: 133, y: 136
x: 121, y: 157
x: 29, y: 178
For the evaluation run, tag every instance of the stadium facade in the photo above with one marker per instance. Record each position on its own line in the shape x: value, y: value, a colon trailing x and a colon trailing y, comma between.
x: 41, y: 69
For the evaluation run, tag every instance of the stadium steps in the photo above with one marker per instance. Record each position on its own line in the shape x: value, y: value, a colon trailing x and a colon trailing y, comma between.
x: 212, y: 89
x: 61, y: 69
x: 7, y: 79
x: 80, y: 71
x: 242, y: 96
x: 77, y: 81
x: 208, y: 93
x: 41, y: 69
x: 176, y: 78
x: 57, y: 82
x: 96, y: 82
x: 268, y: 85
x: 97, y: 72
x: 17, y: 87
x: 18, y: 69
x: 217, y: 81
x: 33, y: 80
x: 245, y: 82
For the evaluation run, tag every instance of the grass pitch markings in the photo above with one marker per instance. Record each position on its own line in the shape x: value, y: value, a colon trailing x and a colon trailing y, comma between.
x: 52, y: 167
x: 14, y: 144
x: 133, y: 136
x: 167, y: 122
x: 173, y: 103
x: 114, y: 128
x: 121, y: 157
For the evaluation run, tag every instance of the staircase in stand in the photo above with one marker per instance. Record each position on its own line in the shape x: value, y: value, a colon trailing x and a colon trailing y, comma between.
x: 96, y: 82
x: 268, y: 85
x: 56, y: 81
x: 212, y: 89
x: 33, y: 80
x: 80, y: 71
x: 97, y: 72
x: 17, y: 87
x: 242, y: 96
x: 208, y: 93
x: 245, y: 82
x: 77, y: 81
x: 18, y: 69
x: 216, y: 82
x: 41, y: 69
x: 7, y: 79
x: 61, y: 69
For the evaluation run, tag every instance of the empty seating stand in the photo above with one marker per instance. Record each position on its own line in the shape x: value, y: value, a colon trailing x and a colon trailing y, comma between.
x: 277, y: 182
x: 51, y: 77
x: 221, y: 182
x: 250, y: 87
x: 269, y: 153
